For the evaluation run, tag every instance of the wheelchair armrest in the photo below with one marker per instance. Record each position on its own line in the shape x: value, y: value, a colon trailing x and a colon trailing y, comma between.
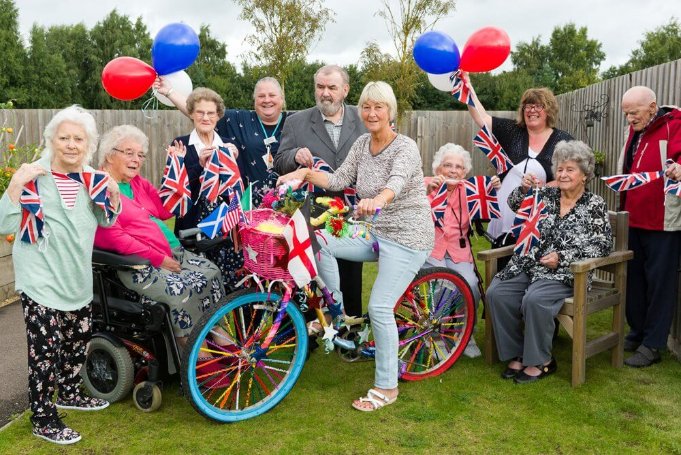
x: 103, y: 257
x: 203, y: 245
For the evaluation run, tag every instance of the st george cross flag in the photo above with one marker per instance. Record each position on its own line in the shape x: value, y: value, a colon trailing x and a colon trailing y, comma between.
x: 486, y: 142
x: 301, y: 263
x: 481, y: 197
x: 174, y: 192
x: 31, y: 226
x: 230, y: 177
x: 625, y: 182
x: 460, y: 89
x: 438, y: 205
x: 529, y: 235
x: 350, y: 196
x: 318, y: 164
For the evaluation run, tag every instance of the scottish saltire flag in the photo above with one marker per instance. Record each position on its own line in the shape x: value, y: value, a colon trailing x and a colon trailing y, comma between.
x: 350, y: 196
x: 460, y: 89
x: 438, y: 205
x: 211, y: 225
x: 318, y: 164
x: 481, y: 197
x: 174, y: 192
x: 625, y: 182
x: 529, y: 234
x: 301, y: 264
x: 233, y: 214
x: 31, y: 226
x: 230, y: 177
x: 96, y: 184
x: 486, y: 142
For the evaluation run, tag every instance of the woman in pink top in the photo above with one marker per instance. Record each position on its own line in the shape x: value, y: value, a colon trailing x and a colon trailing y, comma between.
x: 188, y: 284
x: 451, y: 164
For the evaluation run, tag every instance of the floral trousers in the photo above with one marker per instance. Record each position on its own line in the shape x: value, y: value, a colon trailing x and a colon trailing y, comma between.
x: 57, y: 346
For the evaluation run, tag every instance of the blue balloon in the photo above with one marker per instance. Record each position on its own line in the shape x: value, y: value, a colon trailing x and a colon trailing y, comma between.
x: 436, y: 53
x: 175, y: 47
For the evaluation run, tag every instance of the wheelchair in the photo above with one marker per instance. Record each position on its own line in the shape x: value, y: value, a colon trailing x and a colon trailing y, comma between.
x: 132, y: 347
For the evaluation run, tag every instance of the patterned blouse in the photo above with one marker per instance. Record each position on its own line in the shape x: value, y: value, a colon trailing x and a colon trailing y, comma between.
x: 407, y: 219
x: 584, y: 232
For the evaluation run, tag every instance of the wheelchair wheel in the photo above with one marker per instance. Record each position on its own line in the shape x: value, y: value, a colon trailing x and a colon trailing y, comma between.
x: 108, y: 372
x: 226, y: 373
x: 435, y: 318
x: 147, y: 396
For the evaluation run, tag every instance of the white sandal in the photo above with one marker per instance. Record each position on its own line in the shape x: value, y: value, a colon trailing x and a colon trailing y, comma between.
x: 376, y: 399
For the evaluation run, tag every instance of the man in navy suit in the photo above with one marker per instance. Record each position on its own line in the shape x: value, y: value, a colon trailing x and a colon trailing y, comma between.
x: 327, y: 131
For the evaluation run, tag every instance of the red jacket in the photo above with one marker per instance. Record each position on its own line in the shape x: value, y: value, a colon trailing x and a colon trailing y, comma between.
x: 647, y: 206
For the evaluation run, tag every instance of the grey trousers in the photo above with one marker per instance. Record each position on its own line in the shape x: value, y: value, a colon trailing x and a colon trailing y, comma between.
x: 514, y: 301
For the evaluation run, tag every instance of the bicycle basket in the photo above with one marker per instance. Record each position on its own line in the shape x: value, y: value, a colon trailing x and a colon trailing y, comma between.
x: 265, y: 253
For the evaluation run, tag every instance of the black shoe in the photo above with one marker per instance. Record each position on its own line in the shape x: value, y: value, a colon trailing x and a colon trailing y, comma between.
x: 644, y: 357
x: 510, y: 373
x: 631, y: 345
x: 524, y: 378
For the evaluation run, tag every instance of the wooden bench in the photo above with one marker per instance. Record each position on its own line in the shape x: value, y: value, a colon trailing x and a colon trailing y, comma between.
x: 608, y: 291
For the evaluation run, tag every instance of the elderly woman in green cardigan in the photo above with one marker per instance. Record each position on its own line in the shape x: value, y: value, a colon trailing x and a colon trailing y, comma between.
x: 55, y: 205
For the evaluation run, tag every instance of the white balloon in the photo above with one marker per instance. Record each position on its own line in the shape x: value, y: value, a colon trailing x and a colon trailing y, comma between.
x: 180, y: 82
x: 441, y: 81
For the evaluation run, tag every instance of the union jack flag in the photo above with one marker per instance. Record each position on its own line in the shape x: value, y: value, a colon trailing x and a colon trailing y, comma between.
x: 672, y: 187
x: 32, y: 218
x: 230, y: 177
x: 438, y: 205
x: 210, y: 178
x: 481, y: 197
x: 350, y: 196
x: 96, y: 184
x: 625, y: 182
x: 529, y: 235
x: 523, y: 213
x: 460, y: 89
x: 318, y: 164
x: 486, y: 142
x: 174, y: 192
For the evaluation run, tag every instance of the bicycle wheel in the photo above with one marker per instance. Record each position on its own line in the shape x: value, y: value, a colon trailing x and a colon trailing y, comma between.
x: 227, y: 374
x: 435, y: 318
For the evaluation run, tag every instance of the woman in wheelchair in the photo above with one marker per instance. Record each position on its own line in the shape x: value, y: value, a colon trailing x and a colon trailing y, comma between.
x: 188, y: 284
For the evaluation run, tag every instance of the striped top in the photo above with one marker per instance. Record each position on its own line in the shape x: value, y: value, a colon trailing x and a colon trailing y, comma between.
x: 68, y: 189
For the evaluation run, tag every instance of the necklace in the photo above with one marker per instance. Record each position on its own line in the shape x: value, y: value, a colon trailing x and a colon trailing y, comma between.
x: 380, y: 146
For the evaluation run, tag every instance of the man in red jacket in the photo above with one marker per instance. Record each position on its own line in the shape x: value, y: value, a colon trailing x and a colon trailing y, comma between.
x: 654, y: 135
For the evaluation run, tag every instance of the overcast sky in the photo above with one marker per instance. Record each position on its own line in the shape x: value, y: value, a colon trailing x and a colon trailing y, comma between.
x: 618, y: 24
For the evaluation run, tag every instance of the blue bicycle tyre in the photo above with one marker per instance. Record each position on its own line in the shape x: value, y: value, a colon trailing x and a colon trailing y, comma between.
x: 226, y: 376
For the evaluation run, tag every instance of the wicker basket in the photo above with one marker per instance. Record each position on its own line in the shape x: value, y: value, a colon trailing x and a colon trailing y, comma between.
x: 271, y: 250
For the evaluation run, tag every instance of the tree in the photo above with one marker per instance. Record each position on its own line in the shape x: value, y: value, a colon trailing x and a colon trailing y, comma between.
x: 13, y: 60
x: 412, y: 18
x: 533, y: 59
x: 285, y: 31
x: 659, y: 46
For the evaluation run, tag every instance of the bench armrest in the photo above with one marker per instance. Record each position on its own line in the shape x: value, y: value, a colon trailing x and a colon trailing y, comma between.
x: 587, y: 265
x: 495, y: 253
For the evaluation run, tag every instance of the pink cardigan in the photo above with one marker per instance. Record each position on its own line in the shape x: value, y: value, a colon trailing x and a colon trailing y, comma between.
x: 134, y: 232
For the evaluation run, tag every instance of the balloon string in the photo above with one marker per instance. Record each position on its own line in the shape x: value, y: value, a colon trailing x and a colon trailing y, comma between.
x: 150, y: 105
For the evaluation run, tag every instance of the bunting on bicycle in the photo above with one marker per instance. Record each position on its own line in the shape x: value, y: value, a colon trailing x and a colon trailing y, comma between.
x: 32, y: 218
x: 318, y: 164
x: 175, y: 194
x: 481, y: 197
x: 486, y: 142
x: 438, y: 205
x: 460, y: 89
x: 301, y: 264
x: 529, y: 235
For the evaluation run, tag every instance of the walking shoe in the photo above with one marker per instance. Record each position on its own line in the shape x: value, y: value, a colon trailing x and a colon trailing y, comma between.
x: 631, y: 345
x: 82, y: 403
x: 56, y: 432
x: 472, y: 350
x: 643, y: 357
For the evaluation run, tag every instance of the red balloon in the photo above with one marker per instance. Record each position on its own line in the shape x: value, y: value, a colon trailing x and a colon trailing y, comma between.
x: 127, y: 78
x: 485, y: 50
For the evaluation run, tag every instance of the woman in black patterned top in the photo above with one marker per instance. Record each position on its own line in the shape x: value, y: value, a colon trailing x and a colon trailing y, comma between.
x: 528, y: 140
x: 530, y: 290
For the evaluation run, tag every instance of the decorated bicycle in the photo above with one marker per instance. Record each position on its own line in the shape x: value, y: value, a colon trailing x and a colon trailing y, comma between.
x: 246, y: 355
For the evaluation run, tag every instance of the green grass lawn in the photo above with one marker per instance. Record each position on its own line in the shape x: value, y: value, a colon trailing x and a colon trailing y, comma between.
x: 469, y: 409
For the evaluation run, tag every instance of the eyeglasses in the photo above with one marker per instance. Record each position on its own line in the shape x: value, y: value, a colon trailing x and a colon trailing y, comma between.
x: 536, y: 107
x: 201, y: 114
x: 130, y: 154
